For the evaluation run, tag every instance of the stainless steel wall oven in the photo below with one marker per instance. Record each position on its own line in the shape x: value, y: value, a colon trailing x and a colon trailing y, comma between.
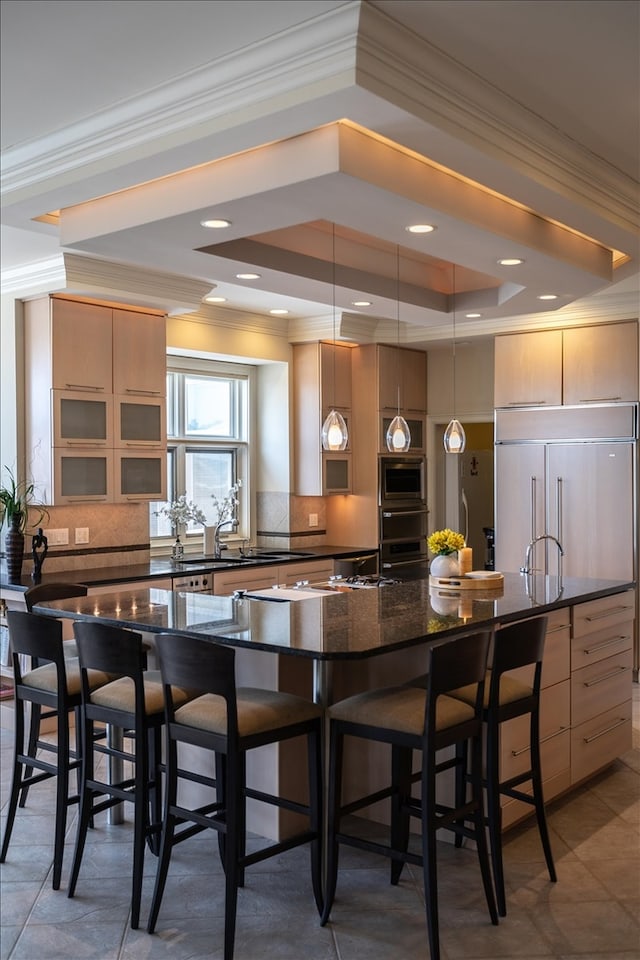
x: 403, y: 518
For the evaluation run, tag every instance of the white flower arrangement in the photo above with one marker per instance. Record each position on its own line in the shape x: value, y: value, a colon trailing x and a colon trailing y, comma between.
x: 181, y: 512
x: 225, y: 509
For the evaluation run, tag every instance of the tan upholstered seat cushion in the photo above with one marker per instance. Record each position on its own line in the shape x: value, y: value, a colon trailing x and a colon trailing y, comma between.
x: 120, y: 694
x: 399, y: 708
x: 510, y: 690
x: 258, y: 711
x: 46, y: 678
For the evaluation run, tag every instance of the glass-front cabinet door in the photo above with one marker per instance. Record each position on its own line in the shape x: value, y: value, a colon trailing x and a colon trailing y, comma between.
x: 81, y: 419
x: 140, y: 475
x: 140, y: 422
x: 81, y: 476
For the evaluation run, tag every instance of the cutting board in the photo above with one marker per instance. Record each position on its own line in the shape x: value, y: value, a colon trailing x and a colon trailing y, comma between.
x: 492, y: 580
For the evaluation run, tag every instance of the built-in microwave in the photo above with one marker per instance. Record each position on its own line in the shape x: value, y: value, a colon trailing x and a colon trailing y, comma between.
x: 402, y: 480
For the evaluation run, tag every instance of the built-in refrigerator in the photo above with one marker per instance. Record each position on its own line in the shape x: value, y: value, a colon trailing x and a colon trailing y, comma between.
x: 569, y: 473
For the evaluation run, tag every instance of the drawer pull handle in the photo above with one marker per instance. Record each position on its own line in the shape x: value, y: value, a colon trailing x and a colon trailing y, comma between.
x: 606, y: 676
x: 144, y: 393
x: 526, y: 403
x: 598, y: 399
x: 153, y: 444
x: 596, y: 736
x: 556, y: 733
x: 609, y: 612
x: 606, y: 643
x: 99, y: 499
x: 85, y: 443
x: 83, y: 386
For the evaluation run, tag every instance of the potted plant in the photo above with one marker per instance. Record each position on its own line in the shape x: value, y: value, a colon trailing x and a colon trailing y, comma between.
x: 16, y: 500
x: 445, y: 544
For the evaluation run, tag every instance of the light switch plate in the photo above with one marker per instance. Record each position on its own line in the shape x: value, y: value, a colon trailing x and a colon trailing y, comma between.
x: 82, y: 534
x: 57, y: 538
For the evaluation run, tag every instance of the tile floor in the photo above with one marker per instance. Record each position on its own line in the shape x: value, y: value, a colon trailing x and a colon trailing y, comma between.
x: 592, y: 912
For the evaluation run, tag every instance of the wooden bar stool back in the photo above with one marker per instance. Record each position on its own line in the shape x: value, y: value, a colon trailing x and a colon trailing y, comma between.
x: 131, y: 701
x: 229, y: 722
x: 515, y: 646
x: 427, y: 720
x: 41, y: 593
x: 52, y: 686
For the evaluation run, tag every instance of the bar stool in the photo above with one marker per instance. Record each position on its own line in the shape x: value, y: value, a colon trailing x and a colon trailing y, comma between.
x: 131, y: 701
x: 230, y: 721
x: 53, y: 682
x: 505, y: 697
x: 424, y: 720
x: 41, y: 593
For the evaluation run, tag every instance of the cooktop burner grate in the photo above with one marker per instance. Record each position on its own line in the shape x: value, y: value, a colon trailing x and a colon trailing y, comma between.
x: 369, y: 580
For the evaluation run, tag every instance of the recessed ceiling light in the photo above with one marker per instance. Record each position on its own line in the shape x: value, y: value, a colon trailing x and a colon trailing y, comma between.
x: 278, y: 313
x: 215, y: 224
x: 216, y: 299
x: 248, y: 276
x: 361, y: 303
x: 548, y: 296
x: 420, y: 228
x: 473, y: 316
x: 510, y: 261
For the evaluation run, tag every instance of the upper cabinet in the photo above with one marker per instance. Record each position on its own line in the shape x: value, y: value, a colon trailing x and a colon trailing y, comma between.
x: 95, y: 407
x: 528, y: 369
x: 601, y: 363
x: 321, y: 382
x: 577, y: 365
x: 402, y: 379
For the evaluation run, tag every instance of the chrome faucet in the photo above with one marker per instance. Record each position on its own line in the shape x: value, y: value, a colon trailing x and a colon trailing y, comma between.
x: 532, y: 543
x: 217, y: 546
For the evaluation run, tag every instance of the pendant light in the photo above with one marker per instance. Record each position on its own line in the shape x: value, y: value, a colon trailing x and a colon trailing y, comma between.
x: 454, y: 436
x: 398, y: 434
x: 334, y: 429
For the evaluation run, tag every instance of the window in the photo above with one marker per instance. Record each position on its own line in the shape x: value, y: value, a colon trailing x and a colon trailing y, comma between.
x: 207, y: 440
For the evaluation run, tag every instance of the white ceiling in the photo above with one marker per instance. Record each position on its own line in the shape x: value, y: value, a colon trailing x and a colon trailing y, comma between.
x: 137, y: 120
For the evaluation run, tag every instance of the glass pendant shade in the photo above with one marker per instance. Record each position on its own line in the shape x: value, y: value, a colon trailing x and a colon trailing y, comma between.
x: 398, y: 435
x: 334, y: 432
x: 455, y: 437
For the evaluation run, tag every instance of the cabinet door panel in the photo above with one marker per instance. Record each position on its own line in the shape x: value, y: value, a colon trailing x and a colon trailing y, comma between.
x: 592, y: 480
x: 140, y: 476
x: 81, y: 346
x: 81, y: 476
x: 80, y: 419
x: 528, y: 369
x: 140, y: 422
x: 601, y: 363
x: 519, y: 502
x: 139, y: 353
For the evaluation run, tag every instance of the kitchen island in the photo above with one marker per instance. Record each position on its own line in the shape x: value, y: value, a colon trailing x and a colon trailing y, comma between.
x: 331, y: 644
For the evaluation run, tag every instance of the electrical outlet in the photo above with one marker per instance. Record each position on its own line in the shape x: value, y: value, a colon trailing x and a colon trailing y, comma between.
x: 313, y: 519
x: 57, y: 538
x: 82, y: 534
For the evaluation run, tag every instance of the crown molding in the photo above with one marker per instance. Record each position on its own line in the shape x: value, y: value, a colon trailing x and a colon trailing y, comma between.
x: 104, y: 279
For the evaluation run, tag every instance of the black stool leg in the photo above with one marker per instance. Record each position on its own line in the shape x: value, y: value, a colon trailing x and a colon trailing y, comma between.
x: 85, y: 816
x: 335, y: 790
x: 235, y: 848
x: 479, y: 827
x: 17, y: 776
x: 429, y: 866
x: 166, y: 839
x: 62, y: 794
x: 314, y: 763
x: 32, y: 746
x: 494, y: 814
x: 538, y: 795
x: 401, y: 760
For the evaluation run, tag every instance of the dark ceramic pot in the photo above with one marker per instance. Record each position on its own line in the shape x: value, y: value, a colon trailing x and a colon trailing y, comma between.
x: 14, y: 551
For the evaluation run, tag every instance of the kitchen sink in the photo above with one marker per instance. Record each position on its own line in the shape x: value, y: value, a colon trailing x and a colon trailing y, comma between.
x: 201, y: 561
x: 266, y: 554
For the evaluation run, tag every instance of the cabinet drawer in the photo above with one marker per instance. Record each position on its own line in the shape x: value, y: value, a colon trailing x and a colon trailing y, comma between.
x: 600, y: 740
x: 314, y: 572
x: 608, y: 642
x: 556, y: 665
x: 554, y: 736
x: 600, y: 686
x: 597, y: 614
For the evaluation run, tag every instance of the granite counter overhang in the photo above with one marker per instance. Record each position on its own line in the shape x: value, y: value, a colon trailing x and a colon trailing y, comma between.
x: 341, y: 626
x: 162, y: 567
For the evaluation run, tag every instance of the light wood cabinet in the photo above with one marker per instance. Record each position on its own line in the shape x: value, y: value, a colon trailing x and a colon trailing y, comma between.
x: 95, y: 404
x: 406, y: 370
x: 321, y: 382
x: 314, y: 571
x: 578, y: 365
x: 600, y: 363
x: 601, y: 666
x: 528, y: 369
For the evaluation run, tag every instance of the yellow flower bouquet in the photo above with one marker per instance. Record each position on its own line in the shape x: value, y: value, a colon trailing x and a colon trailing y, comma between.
x: 443, y: 542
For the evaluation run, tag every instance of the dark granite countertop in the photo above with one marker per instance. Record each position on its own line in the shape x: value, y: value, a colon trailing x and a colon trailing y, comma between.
x: 348, y: 625
x: 163, y: 567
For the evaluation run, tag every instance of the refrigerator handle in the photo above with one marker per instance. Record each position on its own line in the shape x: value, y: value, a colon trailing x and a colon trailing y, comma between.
x: 559, y: 495
x: 532, y: 509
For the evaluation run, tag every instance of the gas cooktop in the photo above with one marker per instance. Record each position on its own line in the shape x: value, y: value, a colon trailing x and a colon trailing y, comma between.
x: 356, y: 582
